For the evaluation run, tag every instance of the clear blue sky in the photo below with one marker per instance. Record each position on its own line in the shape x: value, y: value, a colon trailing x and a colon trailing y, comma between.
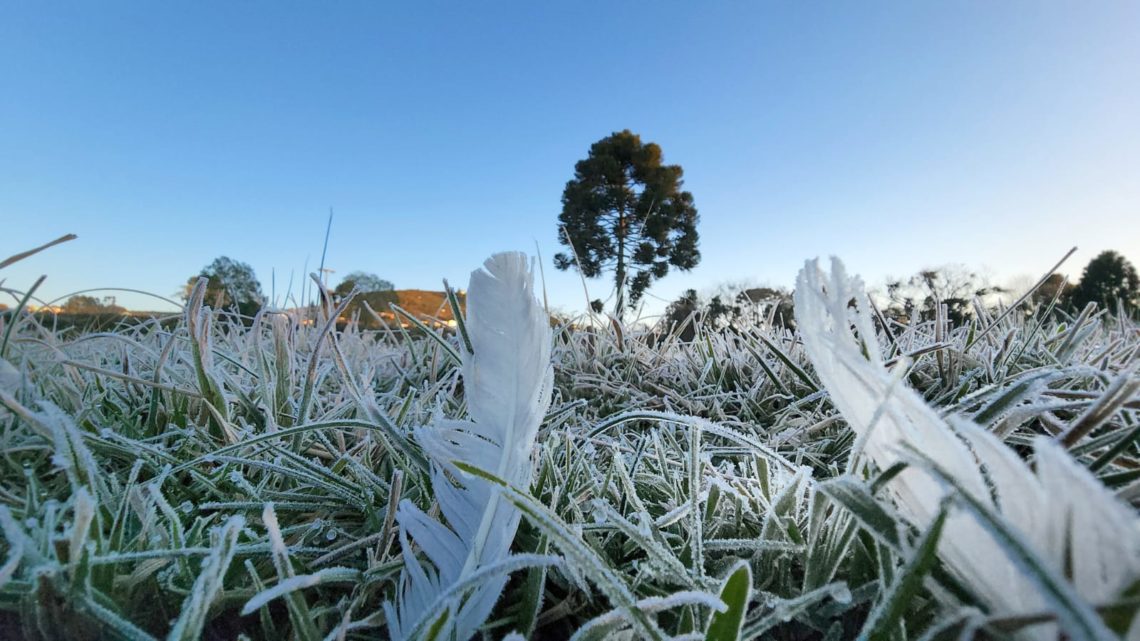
x: 895, y: 135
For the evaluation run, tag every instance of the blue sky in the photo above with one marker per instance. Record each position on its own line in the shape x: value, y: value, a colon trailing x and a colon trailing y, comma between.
x: 895, y: 135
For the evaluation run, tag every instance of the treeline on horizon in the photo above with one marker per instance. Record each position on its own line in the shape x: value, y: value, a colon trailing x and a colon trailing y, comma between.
x: 1109, y: 282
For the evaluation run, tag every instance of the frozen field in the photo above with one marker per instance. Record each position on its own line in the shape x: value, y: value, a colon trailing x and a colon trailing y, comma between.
x: 208, y: 479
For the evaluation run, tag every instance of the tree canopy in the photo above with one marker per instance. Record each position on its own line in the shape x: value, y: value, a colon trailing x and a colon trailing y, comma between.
x: 683, y: 315
x: 1055, y: 288
x: 625, y: 211
x: 951, y: 285
x: 730, y: 305
x: 1109, y: 280
x: 771, y: 305
x: 80, y: 304
x: 231, y: 285
x: 362, y: 282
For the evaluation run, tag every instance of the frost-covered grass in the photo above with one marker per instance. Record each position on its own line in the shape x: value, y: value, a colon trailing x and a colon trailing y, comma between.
x: 202, y: 478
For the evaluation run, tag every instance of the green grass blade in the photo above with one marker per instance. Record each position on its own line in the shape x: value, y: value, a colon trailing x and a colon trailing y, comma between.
x: 884, y: 620
x: 735, y: 592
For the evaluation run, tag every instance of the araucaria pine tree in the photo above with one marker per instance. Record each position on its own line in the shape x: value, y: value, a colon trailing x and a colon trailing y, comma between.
x: 625, y: 211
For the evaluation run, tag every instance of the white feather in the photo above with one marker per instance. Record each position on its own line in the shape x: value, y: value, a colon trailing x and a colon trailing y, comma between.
x: 507, y: 381
x: 1061, y: 502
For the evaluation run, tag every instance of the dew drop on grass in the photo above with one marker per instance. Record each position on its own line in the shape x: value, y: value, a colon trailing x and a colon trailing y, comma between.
x: 186, y: 507
x: 209, y: 458
x: 31, y: 523
x: 330, y: 535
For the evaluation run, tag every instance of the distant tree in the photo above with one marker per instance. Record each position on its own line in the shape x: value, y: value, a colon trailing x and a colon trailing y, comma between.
x: 949, y: 285
x: 1110, y: 281
x: 625, y: 211
x: 80, y: 304
x: 764, y: 304
x: 717, y: 312
x: 362, y: 282
x: 371, y: 290
x: 689, y: 311
x: 682, y: 315
x: 231, y: 285
x: 1056, y: 287
x: 378, y: 301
